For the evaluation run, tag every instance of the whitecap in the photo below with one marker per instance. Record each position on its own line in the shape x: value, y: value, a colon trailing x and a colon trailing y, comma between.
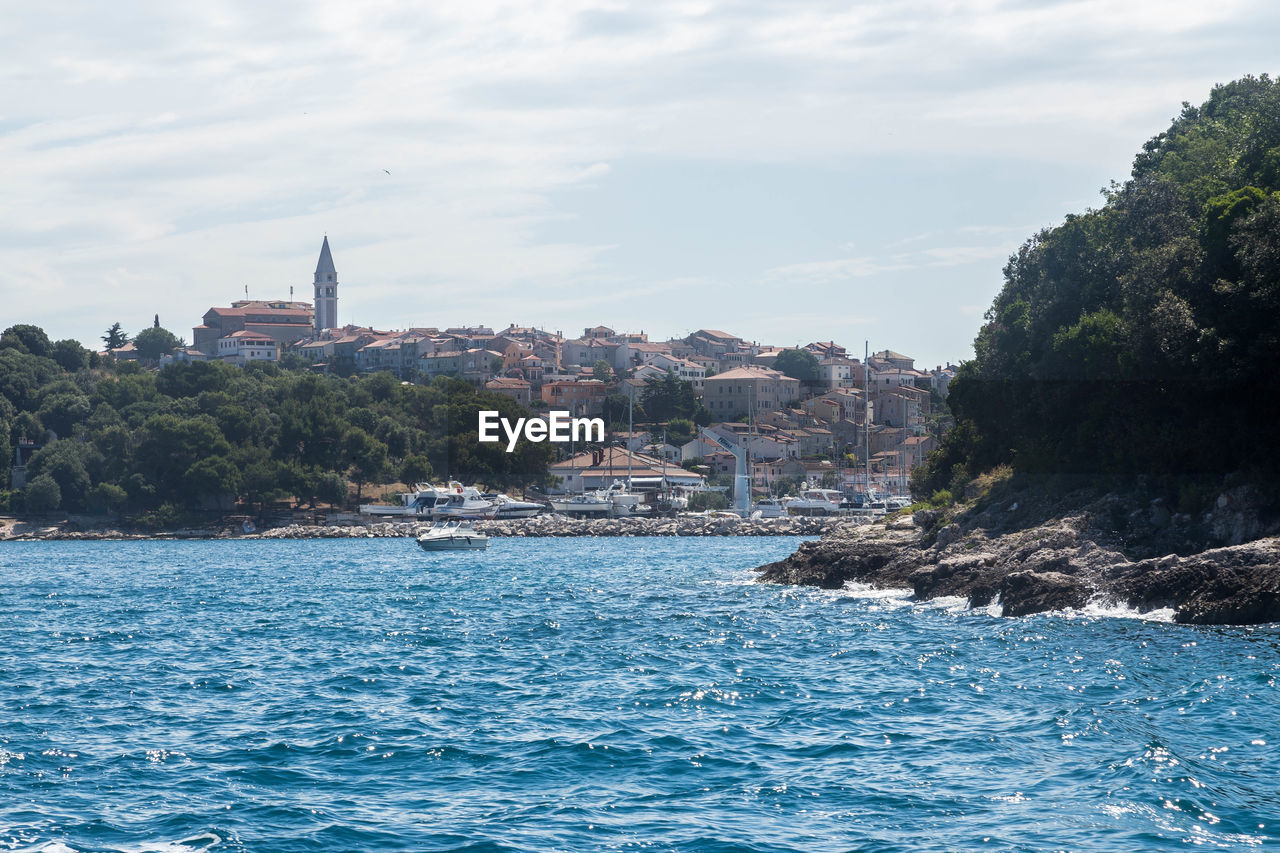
x: 865, y: 590
x: 1110, y: 609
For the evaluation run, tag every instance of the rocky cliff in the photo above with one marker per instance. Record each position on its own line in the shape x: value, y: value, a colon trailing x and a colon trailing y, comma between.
x: 1032, y: 559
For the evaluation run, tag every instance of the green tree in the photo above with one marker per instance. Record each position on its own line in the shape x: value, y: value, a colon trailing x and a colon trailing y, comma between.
x: 602, y: 371
x: 798, y: 364
x: 367, y: 457
x: 43, y: 495
x: 70, y: 356
x: 26, y: 338
x: 416, y: 468
x: 668, y: 397
x: 154, y: 342
x: 107, y: 497
x: 115, y: 337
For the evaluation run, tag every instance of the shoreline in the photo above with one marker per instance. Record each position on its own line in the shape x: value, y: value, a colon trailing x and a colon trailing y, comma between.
x: 542, y: 526
x: 1063, y: 560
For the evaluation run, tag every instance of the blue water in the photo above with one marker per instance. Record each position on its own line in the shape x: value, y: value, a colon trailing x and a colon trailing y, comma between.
x: 609, y: 694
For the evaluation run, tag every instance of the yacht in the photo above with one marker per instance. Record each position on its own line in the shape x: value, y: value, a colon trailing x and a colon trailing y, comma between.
x: 615, y: 501
x: 815, y: 501
x: 458, y: 501
x: 509, y: 507
x: 455, y: 535
x: 418, y: 503
x: 767, y: 508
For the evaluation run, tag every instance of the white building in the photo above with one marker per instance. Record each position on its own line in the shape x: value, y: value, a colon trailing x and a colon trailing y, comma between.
x: 243, y: 347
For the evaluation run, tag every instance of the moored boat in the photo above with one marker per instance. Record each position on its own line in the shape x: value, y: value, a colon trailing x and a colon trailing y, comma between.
x: 456, y: 535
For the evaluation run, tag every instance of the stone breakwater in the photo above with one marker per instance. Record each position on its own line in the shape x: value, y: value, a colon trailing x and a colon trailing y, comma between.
x: 1062, y: 563
x: 559, y: 525
x: 542, y: 525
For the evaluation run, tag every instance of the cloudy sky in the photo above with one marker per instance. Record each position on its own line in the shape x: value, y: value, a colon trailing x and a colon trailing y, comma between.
x: 786, y: 171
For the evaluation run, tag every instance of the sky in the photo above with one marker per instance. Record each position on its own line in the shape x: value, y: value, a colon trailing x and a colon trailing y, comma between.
x: 784, y: 171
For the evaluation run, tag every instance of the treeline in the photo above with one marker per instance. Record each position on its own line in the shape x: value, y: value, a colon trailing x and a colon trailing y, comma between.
x: 1141, y: 338
x: 123, y: 438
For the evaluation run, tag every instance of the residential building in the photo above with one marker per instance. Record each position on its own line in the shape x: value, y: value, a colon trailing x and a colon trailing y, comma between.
x: 582, y: 472
x: 244, y: 346
x: 747, y: 391
x: 517, y: 389
x: 584, y: 397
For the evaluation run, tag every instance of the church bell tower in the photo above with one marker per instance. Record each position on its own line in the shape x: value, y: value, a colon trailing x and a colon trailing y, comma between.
x: 326, y: 290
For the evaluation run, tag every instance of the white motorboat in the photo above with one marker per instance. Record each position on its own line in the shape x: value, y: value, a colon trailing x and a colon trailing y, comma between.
x: 458, y: 501
x: 815, y: 501
x: 509, y: 507
x: 418, y: 503
x: 589, y: 503
x: 456, y: 535
x: 767, y: 508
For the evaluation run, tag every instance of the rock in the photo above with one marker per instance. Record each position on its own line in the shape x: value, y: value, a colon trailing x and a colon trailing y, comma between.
x: 947, y: 535
x: 1060, y: 563
x: 1025, y: 592
x: 925, y: 518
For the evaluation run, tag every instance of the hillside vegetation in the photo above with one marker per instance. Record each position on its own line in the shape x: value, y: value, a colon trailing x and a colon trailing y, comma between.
x: 1140, y: 339
x: 123, y: 438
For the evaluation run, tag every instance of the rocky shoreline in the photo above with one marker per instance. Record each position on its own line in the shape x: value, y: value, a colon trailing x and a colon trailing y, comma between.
x: 552, y: 525
x: 1058, y: 563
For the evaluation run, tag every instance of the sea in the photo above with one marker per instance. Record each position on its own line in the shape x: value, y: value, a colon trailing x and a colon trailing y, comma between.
x: 601, y: 694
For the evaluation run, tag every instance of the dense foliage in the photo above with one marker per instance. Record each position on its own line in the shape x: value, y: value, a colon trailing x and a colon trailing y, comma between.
x: 1137, y: 339
x: 126, y: 438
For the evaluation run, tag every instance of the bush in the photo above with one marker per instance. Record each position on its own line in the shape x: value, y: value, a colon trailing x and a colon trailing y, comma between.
x: 43, y: 495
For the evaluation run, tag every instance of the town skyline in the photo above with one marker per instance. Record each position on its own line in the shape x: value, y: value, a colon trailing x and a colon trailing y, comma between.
x: 855, y: 172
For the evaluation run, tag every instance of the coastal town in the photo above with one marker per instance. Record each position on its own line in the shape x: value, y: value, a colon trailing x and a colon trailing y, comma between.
x: 816, y: 414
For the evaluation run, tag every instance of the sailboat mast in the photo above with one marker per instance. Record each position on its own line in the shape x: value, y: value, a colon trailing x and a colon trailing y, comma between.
x: 866, y: 410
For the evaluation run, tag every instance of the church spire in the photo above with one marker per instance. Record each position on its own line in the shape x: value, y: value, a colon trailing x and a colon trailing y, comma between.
x: 324, y: 267
x: 326, y: 305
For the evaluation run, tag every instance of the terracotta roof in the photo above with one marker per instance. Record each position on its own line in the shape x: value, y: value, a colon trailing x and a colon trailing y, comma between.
x: 748, y: 372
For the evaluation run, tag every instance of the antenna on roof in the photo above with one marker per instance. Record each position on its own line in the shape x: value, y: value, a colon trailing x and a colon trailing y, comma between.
x: 291, y: 293
x: 246, y: 291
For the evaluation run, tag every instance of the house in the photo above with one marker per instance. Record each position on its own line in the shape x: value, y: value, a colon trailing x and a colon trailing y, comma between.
x: 581, y: 397
x: 827, y: 349
x: 836, y: 372
x: 517, y: 389
x: 715, y: 343
x: 889, y: 359
x: 244, y: 346
x: 900, y: 405
x: 583, y: 471
x: 696, y: 448
x: 183, y: 354
x: 473, y: 365
x: 917, y: 447
x: 748, y: 390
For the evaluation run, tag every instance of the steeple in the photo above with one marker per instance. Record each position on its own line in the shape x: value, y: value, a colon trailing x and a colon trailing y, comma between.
x: 324, y: 267
x: 326, y: 307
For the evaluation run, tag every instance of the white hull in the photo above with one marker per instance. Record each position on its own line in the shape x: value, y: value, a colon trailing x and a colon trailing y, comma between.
x: 582, y: 507
x: 453, y: 536
x: 473, y: 542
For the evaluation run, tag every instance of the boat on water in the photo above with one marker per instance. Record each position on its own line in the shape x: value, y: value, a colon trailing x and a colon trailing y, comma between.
x: 455, y: 535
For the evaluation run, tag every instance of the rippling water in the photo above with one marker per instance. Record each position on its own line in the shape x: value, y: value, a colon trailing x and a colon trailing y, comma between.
x: 599, y: 695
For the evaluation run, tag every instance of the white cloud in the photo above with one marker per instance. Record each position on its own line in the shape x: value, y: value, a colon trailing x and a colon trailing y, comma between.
x: 200, y: 146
